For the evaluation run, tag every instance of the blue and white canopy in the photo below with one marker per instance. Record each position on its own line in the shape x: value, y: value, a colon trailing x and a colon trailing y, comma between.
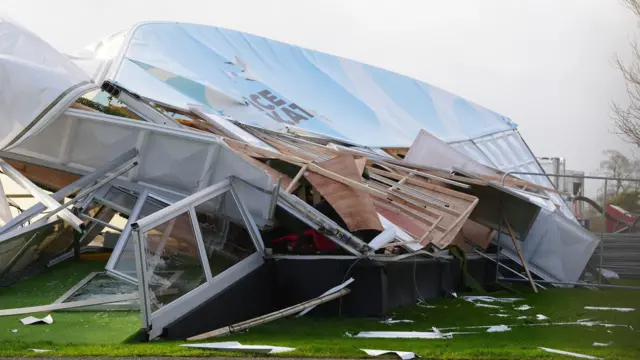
x: 274, y: 85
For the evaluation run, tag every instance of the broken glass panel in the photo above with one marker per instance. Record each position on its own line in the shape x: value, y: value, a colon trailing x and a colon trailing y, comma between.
x: 28, y: 245
x: 100, y: 285
x: 224, y: 233
x: 126, y: 262
x: 173, y: 260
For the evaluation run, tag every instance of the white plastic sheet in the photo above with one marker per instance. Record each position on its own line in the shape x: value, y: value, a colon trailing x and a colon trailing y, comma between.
x: 562, y: 352
x: 404, y: 355
x: 235, y: 346
x: 33, y: 75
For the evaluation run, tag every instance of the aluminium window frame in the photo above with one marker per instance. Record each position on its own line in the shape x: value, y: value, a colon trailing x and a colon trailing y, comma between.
x: 155, y: 321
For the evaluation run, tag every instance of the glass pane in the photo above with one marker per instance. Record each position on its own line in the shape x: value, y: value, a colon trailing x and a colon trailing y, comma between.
x: 123, y: 199
x: 173, y: 260
x: 126, y: 263
x: 21, y: 251
x: 224, y: 233
x: 101, y: 286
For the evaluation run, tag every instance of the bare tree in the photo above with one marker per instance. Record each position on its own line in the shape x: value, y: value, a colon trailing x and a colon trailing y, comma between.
x: 627, y: 117
x: 619, y: 166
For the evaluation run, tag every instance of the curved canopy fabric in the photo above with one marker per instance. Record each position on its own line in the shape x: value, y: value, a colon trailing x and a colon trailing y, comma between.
x: 33, y: 76
x: 275, y: 85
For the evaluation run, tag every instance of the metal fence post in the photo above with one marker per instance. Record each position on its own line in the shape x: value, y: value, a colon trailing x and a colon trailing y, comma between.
x: 602, y: 230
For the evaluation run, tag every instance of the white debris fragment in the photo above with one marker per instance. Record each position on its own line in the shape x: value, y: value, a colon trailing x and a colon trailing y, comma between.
x: 602, y: 344
x: 40, y: 350
x: 568, y: 353
x: 499, y: 328
x: 609, y: 274
x: 348, y: 334
x: 404, y: 355
x: 454, y: 295
x: 522, y: 317
x: 609, y: 308
x: 490, y: 299
x: 422, y: 304
x: 238, y: 347
x: 29, y: 320
x: 541, y: 317
x: 436, y: 334
x: 14, y: 331
x: 390, y: 321
x: 523, y: 308
x: 487, y: 306
x: 499, y: 315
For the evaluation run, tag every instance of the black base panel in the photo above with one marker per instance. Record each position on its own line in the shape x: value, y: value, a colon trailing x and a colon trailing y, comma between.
x: 250, y: 297
x: 378, y: 288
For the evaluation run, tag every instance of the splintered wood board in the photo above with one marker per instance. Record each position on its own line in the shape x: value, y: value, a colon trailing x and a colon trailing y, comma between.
x: 354, y: 206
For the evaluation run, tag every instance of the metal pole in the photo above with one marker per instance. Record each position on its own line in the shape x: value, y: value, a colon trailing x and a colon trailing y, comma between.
x: 604, y: 224
x: 91, y: 189
x: 499, y: 237
x: 70, y: 189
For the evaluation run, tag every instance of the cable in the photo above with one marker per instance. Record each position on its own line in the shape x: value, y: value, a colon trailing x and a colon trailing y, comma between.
x: 345, y: 279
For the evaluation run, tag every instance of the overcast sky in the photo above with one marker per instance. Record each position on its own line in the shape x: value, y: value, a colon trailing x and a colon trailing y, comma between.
x: 546, y: 64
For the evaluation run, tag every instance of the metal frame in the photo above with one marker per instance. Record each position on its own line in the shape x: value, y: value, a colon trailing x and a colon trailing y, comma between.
x: 70, y: 189
x: 155, y: 321
x: 134, y: 215
x: 317, y: 221
x: 604, y: 201
x: 137, y: 105
x: 56, y: 208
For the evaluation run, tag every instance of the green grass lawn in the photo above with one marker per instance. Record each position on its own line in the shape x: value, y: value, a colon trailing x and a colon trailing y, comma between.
x: 107, y: 333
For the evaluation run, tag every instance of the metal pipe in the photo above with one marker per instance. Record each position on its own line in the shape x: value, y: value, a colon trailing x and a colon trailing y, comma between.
x: 70, y: 189
x: 91, y: 189
x: 103, y: 223
x: 506, y: 267
x: 577, y: 284
x: 604, y: 224
x: 566, y: 176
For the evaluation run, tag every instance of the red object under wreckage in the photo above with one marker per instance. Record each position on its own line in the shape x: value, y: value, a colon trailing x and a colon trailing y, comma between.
x: 618, y: 219
x: 321, y: 242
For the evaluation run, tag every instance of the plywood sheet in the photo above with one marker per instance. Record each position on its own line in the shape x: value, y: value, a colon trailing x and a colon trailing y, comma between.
x: 355, y: 207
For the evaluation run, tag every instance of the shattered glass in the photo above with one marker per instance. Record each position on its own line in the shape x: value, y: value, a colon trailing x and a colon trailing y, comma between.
x: 173, y: 260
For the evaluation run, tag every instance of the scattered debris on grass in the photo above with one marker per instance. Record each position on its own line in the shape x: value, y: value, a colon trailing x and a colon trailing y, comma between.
x: 404, y: 355
x: 541, y: 317
x: 40, y: 350
x: 235, y: 346
x: 30, y: 320
x: 390, y: 321
x: 499, y: 328
x: 609, y: 308
x: 523, y: 308
x: 561, y: 352
x: 603, y: 344
x: 500, y: 315
x: 490, y: 299
x: 488, y: 306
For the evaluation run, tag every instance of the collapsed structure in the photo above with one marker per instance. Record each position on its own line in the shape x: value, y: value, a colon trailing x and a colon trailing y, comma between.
x: 244, y: 168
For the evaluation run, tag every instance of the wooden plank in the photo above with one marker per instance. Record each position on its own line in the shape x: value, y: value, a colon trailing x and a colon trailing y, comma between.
x: 50, y: 178
x: 448, y: 237
x: 296, y: 179
x: 410, y: 223
x: 361, y: 163
x: 519, y: 251
x: 423, y: 184
x: 352, y: 204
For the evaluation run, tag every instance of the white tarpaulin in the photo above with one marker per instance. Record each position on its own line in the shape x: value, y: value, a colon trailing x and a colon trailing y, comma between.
x: 33, y: 78
x: 274, y: 85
